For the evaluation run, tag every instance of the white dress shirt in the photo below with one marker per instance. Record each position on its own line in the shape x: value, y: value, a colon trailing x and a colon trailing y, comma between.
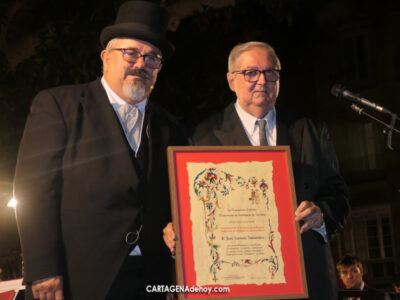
x: 251, y: 128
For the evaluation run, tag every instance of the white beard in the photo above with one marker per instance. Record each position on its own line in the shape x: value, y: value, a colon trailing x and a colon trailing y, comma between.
x: 136, y: 92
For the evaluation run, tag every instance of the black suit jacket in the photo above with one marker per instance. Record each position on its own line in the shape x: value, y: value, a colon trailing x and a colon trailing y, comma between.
x: 316, y: 176
x: 368, y: 293
x: 79, y: 193
x: 373, y: 294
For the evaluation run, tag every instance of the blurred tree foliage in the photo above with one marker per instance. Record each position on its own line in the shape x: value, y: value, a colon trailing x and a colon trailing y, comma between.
x: 47, y: 43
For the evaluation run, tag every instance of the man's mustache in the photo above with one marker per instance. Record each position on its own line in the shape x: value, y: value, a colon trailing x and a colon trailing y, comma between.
x: 139, y: 72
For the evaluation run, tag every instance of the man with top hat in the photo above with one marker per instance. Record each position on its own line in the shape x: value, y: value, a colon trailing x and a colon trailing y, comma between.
x: 91, y: 177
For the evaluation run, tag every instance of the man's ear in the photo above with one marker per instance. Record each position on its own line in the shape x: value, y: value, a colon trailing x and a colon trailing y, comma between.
x: 104, y: 57
x: 231, y: 81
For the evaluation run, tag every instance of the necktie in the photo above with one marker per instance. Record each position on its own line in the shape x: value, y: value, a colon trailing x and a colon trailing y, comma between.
x: 261, y: 131
x: 131, y: 117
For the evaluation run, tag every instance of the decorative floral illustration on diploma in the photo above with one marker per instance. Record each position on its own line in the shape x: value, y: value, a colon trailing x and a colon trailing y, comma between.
x: 235, y: 223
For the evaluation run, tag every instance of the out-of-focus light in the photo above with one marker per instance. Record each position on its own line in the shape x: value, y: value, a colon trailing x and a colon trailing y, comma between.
x: 12, y: 203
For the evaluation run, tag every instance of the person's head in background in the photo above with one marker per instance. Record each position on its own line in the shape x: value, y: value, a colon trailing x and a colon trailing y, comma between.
x: 351, y: 271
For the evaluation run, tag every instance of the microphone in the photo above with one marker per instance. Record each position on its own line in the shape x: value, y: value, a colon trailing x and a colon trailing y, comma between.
x: 339, y: 90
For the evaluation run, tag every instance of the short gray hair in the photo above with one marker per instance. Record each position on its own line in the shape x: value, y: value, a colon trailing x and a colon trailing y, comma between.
x: 111, y: 43
x: 239, y: 49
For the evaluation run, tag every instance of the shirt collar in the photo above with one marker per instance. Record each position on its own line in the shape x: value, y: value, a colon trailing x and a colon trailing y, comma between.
x: 249, y: 121
x: 116, y: 101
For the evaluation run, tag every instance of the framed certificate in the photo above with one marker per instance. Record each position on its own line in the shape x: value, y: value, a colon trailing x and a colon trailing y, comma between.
x: 233, y: 214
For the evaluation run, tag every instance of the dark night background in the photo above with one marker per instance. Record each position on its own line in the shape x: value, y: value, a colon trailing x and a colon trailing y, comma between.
x: 357, y: 43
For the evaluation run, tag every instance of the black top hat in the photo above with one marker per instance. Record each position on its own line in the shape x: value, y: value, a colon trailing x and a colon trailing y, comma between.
x: 141, y: 20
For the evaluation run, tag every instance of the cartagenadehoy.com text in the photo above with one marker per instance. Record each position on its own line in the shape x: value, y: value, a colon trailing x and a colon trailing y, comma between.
x: 186, y: 289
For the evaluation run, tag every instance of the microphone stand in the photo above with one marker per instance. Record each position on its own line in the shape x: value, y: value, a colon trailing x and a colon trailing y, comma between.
x: 389, y: 128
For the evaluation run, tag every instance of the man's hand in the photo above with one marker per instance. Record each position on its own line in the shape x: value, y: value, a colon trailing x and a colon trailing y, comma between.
x: 170, y: 237
x: 48, y: 289
x: 310, y: 214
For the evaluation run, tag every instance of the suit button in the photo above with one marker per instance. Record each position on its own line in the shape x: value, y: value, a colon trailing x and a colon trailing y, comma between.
x: 306, y: 186
x: 139, y: 156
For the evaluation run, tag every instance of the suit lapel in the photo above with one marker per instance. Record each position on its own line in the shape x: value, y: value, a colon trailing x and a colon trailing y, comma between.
x: 231, y: 131
x: 151, y: 130
x: 288, y: 133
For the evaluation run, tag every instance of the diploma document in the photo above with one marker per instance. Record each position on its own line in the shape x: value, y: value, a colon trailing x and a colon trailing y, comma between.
x: 233, y: 215
x: 236, y: 238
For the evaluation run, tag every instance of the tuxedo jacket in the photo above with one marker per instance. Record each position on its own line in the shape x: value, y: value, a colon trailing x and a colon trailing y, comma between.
x: 368, y: 293
x: 316, y: 177
x: 373, y: 294
x: 80, y: 192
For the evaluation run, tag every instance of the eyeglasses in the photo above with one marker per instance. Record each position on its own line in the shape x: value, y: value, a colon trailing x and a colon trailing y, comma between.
x: 132, y: 55
x: 271, y: 75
